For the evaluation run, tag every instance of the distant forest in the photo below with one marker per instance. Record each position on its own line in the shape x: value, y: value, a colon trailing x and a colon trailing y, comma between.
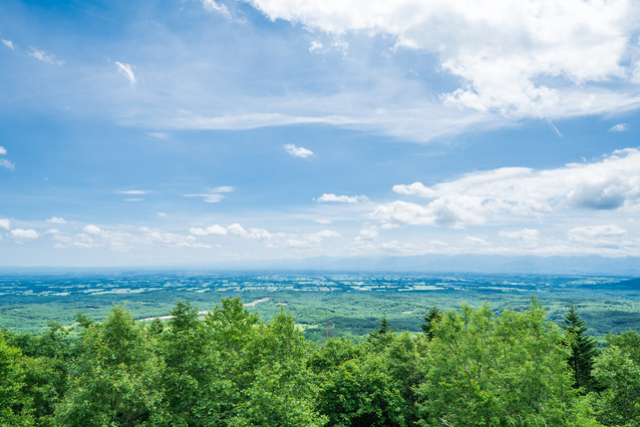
x: 467, y: 367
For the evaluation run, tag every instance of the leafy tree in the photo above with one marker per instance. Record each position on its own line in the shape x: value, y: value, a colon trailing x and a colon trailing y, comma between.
x: 333, y: 353
x: 618, y: 370
x: 361, y: 393
x: 381, y: 337
x: 509, y: 370
x: 195, y: 393
x: 14, y: 410
x: 405, y: 366
x: 115, y: 379
x: 582, y: 349
x: 433, y: 315
x: 276, y: 399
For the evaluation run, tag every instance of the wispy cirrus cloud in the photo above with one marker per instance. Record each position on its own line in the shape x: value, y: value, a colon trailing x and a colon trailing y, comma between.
x: 45, y: 57
x: 9, y: 44
x: 213, y: 196
x: 127, y: 71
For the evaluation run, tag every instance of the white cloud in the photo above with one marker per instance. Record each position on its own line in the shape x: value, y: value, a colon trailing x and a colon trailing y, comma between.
x: 19, y: 233
x: 161, y: 214
x: 233, y: 230
x: 323, y: 221
x: 214, y: 195
x: 127, y: 71
x: 298, y: 151
x: 159, y: 135
x: 415, y: 189
x: 416, y: 120
x: 528, y: 237
x: 52, y: 231
x: 213, y: 6
x: 56, y: 220
x: 92, y: 229
x: 133, y: 192
x: 620, y: 127
x: 341, y: 199
x: 476, y: 241
x: 613, y: 183
x: 3, y: 151
x: 5, y: 223
x: 216, y: 230
x: 539, y: 58
x: 368, y: 233
x: 598, y: 231
x: 315, y: 46
x: 7, y: 164
x: 45, y: 57
x: 9, y: 44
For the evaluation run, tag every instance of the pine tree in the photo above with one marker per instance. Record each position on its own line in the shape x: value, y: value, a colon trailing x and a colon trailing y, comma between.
x: 434, y: 315
x: 583, y: 349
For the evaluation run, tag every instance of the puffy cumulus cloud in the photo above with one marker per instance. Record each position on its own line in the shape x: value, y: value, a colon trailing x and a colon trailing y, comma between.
x: 613, y: 183
x: 92, y: 229
x: 4, y: 162
x: 298, y: 151
x: 233, y: 230
x: 56, y: 220
x: 127, y: 71
x: 368, y: 234
x: 214, y: 195
x: 5, y: 223
x: 341, y: 199
x: 620, y: 127
x: 21, y: 234
x: 216, y: 230
x: 539, y: 58
x: 142, y: 238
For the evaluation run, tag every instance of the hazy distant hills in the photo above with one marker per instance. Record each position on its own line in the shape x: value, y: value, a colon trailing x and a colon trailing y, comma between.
x: 489, y: 264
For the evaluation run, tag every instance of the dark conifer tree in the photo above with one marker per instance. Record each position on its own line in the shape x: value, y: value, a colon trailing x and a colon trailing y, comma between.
x: 434, y: 315
x: 583, y: 349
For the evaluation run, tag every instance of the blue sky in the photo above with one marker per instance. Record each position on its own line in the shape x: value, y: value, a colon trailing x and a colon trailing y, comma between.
x: 198, y: 131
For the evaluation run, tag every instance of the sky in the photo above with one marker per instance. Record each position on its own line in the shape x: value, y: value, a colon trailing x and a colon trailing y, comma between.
x: 202, y: 132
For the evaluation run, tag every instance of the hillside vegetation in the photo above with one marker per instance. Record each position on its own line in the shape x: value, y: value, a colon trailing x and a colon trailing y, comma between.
x: 468, y: 367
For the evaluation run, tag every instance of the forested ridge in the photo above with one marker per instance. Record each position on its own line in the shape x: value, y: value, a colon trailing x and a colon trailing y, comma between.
x: 469, y: 367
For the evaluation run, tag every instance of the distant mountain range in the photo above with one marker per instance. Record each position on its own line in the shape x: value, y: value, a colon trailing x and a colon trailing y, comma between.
x: 486, y: 264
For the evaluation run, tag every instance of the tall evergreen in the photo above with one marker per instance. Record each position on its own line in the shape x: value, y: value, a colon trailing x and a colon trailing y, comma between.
x: 433, y: 315
x: 583, y: 349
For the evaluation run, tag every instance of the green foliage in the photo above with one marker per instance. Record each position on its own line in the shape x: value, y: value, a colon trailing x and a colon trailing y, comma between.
x: 487, y: 371
x: 618, y: 370
x: 471, y: 367
x: 433, y: 315
x: 14, y: 410
x: 194, y: 392
x: 582, y: 349
x: 115, y: 381
x: 361, y: 392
